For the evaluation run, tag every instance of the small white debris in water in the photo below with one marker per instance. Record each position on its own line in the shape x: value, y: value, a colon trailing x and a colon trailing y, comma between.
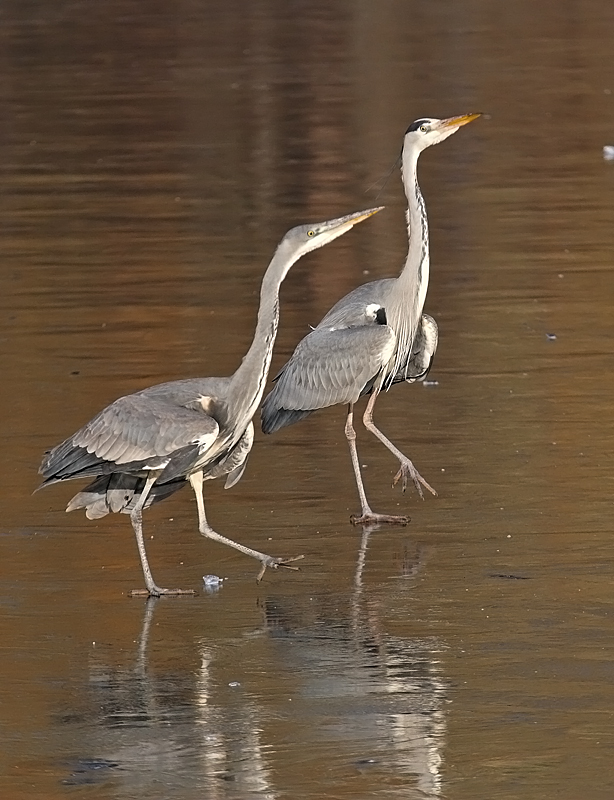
x: 427, y: 384
x: 509, y: 535
x: 551, y: 336
x: 234, y: 684
x: 608, y: 152
x: 213, y: 583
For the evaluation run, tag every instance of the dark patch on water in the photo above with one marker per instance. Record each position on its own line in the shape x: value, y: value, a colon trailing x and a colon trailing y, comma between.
x: 86, y: 771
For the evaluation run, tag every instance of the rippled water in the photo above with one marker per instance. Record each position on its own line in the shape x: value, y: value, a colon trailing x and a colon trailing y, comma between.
x: 152, y: 156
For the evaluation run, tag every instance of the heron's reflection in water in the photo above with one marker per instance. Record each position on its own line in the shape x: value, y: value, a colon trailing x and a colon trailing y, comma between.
x: 320, y: 697
x: 230, y: 736
x: 172, y: 731
x: 376, y: 697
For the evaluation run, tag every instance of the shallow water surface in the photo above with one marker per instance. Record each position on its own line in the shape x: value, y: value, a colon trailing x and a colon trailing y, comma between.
x: 152, y: 156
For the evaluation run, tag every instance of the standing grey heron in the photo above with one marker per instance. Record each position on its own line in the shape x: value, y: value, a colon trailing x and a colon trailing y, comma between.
x: 147, y: 445
x: 373, y: 337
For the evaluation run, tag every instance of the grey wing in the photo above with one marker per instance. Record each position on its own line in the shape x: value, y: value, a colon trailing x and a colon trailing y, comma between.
x: 328, y: 367
x: 133, y: 433
x: 422, y: 352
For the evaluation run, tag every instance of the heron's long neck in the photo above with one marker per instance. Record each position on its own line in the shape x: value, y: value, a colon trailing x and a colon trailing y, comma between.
x: 404, y: 307
x: 247, y: 383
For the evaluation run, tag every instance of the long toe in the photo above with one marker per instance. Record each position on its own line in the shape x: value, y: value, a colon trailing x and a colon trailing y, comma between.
x: 372, y: 518
x: 407, y: 470
x: 275, y: 563
x: 402, y: 476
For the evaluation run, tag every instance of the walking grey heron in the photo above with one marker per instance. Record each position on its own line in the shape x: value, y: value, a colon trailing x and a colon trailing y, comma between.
x: 145, y: 446
x: 373, y: 337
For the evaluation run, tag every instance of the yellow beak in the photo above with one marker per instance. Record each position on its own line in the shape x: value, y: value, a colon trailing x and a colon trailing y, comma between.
x: 456, y: 122
x: 360, y: 216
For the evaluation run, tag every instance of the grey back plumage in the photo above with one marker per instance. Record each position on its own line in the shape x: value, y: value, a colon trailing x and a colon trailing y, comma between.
x: 335, y: 363
x: 342, y: 358
x: 135, y: 433
x: 163, y: 427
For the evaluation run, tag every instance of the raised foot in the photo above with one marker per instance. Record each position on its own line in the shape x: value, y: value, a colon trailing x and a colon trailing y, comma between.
x: 373, y: 519
x: 157, y: 592
x: 407, y: 470
x: 275, y: 563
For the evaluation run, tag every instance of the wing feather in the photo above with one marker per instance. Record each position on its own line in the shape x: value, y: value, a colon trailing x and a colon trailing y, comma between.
x: 136, y: 430
x: 329, y: 366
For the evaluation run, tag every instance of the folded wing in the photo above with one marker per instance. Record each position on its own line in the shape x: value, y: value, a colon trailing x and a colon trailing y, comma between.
x: 329, y: 366
x: 133, y: 434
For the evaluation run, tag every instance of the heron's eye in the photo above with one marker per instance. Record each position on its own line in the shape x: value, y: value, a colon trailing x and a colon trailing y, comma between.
x: 424, y: 128
x: 311, y: 233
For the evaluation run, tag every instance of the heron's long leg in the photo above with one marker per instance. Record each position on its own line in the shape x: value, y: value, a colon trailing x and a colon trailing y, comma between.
x: 407, y: 468
x: 350, y: 435
x: 367, y: 516
x: 196, y: 481
x: 136, y: 517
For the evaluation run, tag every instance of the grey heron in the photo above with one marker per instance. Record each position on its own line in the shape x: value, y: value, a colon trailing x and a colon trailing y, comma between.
x: 147, y: 445
x: 373, y: 337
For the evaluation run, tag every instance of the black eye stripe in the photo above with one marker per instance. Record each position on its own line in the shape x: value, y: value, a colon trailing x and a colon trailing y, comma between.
x: 415, y: 125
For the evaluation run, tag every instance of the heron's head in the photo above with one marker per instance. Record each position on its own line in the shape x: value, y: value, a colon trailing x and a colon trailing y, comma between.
x: 305, y: 238
x: 427, y: 131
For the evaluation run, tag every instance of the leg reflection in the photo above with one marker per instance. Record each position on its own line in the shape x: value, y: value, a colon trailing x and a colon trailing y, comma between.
x: 363, y: 697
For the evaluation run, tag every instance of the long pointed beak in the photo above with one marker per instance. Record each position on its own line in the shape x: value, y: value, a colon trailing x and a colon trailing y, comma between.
x: 350, y: 220
x: 456, y: 122
x: 361, y: 216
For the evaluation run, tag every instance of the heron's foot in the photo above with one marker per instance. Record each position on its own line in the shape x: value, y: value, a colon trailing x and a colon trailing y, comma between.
x: 370, y: 518
x: 407, y: 470
x: 275, y: 563
x: 156, y: 591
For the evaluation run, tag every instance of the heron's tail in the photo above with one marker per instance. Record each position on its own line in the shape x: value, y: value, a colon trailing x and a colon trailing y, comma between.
x: 119, y: 493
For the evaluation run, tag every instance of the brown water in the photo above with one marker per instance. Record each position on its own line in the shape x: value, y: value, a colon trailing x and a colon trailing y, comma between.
x: 152, y: 154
